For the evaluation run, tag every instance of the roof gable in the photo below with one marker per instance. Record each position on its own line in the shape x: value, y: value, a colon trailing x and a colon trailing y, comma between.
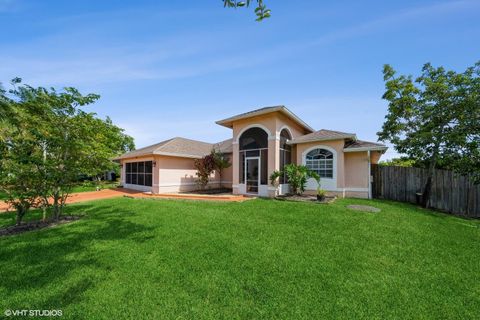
x: 323, y: 135
x: 228, y: 122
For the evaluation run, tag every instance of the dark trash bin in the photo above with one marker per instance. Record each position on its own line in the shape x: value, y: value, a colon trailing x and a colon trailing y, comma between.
x: 418, y: 197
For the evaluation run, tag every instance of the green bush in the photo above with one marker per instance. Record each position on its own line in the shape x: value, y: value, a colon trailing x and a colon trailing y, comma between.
x: 297, y: 176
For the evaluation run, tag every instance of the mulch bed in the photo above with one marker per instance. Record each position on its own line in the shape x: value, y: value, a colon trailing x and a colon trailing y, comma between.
x: 35, y: 225
x: 210, y: 191
x: 304, y: 198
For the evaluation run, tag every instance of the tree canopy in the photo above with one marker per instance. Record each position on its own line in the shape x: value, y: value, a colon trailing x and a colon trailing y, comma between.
x: 47, y: 142
x: 261, y: 10
x: 435, y: 118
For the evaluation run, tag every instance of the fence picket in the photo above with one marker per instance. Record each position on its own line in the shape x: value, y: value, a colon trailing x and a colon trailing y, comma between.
x: 451, y: 192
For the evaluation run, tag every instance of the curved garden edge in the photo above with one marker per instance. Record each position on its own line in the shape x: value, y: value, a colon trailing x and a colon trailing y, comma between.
x: 37, y: 225
x: 305, y: 198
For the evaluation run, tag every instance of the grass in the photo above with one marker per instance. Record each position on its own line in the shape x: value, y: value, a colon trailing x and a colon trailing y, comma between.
x: 92, y: 186
x: 261, y: 259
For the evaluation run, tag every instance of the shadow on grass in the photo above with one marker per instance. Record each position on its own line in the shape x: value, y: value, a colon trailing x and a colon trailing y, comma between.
x: 51, y: 258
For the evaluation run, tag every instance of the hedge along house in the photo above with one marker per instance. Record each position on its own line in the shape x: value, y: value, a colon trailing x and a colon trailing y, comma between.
x: 263, y: 141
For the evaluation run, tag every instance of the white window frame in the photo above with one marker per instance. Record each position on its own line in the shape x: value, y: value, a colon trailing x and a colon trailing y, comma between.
x: 326, y: 183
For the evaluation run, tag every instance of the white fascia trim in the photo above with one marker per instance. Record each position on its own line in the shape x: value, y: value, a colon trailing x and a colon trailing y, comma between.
x: 365, y: 149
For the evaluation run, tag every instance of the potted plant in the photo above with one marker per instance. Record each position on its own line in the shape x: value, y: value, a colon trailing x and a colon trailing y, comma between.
x: 321, y: 194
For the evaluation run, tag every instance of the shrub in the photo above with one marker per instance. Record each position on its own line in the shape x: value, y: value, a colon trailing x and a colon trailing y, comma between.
x: 297, y: 176
x: 205, y: 167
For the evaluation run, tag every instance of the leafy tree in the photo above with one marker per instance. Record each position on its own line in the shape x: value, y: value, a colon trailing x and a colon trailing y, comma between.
x: 205, y: 167
x: 5, y: 109
x: 221, y: 162
x: 52, y: 141
x: 297, y: 176
x: 103, y: 137
x: 435, y: 119
x: 399, y: 162
x: 19, y: 176
x: 261, y: 11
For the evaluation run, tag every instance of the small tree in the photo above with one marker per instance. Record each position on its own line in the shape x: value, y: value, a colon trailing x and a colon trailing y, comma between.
x: 221, y: 162
x: 205, y: 167
x: 47, y: 142
x: 297, y: 176
x: 19, y: 179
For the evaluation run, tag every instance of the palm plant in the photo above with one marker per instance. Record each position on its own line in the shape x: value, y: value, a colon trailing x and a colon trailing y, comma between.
x: 297, y: 176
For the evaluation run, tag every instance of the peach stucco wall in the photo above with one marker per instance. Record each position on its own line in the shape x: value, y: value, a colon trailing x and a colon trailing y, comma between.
x: 339, y: 172
x: 356, y: 169
x: 272, y: 123
x: 179, y: 174
x: 351, y: 169
x: 175, y: 174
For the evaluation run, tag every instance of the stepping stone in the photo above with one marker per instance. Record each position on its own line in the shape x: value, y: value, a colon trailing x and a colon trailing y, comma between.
x: 359, y: 207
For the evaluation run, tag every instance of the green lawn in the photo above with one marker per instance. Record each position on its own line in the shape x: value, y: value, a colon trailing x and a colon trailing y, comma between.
x: 261, y: 259
x: 91, y: 186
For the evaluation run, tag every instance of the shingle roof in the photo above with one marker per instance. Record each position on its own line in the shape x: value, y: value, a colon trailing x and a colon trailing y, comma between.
x: 364, y: 145
x: 228, y: 121
x: 323, y: 135
x: 180, y: 147
x: 225, y: 146
x: 144, y: 151
x: 186, y: 147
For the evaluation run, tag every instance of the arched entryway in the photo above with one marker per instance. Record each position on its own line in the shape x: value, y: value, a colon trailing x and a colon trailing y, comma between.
x: 253, y: 155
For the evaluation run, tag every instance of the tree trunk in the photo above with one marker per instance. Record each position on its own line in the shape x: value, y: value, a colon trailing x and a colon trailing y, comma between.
x: 427, y: 190
x: 56, y: 208
x: 220, y: 177
x: 44, y: 213
x: 20, y: 213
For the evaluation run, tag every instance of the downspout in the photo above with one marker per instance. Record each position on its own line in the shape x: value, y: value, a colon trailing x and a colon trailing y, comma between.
x: 369, y: 176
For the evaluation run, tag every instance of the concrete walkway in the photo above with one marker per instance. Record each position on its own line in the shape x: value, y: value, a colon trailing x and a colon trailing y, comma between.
x: 120, y: 192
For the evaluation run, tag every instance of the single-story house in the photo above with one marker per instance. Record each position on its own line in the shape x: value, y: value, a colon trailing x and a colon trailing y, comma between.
x: 263, y: 140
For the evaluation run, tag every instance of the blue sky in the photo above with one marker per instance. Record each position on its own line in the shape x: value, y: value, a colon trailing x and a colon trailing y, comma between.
x: 172, y: 68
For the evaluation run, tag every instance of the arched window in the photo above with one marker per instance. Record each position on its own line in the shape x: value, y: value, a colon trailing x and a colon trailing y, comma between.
x: 285, y: 152
x: 253, y: 138
x: 320, y: 161
x: 253, y: 144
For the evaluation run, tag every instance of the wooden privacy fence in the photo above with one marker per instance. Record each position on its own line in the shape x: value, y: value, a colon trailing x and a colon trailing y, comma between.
x: 451, y: 192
